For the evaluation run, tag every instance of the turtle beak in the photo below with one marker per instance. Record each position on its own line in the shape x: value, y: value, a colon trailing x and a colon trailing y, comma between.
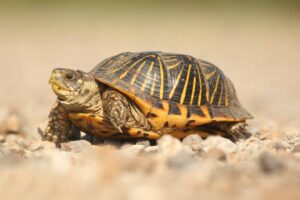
x: 54, y: 76
x: 55, y: 82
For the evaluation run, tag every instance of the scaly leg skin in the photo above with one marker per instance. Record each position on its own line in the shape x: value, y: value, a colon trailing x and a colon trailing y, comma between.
x: 239, y: 130
x: 123, y: 114
x: 235, y: 131
x: 59, y: 127
x: 115, y: 106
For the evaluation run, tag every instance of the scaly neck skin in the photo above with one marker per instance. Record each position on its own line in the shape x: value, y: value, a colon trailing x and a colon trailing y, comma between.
x: 87, y: 100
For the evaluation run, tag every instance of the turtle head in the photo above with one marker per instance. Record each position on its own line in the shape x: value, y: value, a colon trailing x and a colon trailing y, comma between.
x: 76, y: 90
x: 66, y: 83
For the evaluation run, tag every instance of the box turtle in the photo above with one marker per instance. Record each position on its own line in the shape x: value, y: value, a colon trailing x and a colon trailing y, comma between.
x: 145, y: 95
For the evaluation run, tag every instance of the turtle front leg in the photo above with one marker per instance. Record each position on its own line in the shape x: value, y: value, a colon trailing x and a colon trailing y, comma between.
x: 59, y: 127
x: 115, y: 106
x: 122, y: 114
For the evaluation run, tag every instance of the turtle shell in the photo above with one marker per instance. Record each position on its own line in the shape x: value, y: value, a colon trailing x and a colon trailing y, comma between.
x: 172, y: 90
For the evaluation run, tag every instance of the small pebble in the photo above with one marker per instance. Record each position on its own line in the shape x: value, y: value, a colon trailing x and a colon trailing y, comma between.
x: 41, y: 145
x: 2, y: 139
x: 12, y: 124
x: 194, y: 141
x: 181, y: 160
x: 279, y: 147
x: 218, y: 142
x: 296, y: 148
x: 171, y: 146
x: 135, y: 149
x: 76, y: 146
x: 110, y: 142
x: 216, y: 154
x: 151, y: 149
x: 144, y: 142
x: 270, y: 163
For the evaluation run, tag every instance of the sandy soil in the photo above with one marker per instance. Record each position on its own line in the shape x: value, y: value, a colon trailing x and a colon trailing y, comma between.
x: 260, y: 53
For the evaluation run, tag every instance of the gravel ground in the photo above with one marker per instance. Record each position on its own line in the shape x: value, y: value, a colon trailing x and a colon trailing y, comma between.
x: 260, y: 53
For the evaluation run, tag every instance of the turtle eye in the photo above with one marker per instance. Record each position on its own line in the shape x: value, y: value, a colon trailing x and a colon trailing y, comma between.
x: 70, y: 76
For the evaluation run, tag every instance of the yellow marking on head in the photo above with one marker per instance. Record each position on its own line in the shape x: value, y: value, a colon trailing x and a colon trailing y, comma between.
x: 193, y: 90
x: 173, y: 66
x: 55, y: 74
x: 137, y: 72
x: 220, y: 98
x: 56, y: 85
x: 176, y: 83
x: 129, y: 68
x: 200, y: 82
x: 185, y: 85
x: 153, y: 85
x: 161, y: 92
x: 215, y: 90
x: 208, y: 76
x: 146, y: 79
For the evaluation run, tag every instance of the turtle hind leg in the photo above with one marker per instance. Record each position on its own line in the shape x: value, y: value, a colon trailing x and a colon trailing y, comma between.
x: 233, y: 130
x: 240, y: 130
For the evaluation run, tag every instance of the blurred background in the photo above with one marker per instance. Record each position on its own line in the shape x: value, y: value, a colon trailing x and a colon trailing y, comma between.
x: 256, y: 43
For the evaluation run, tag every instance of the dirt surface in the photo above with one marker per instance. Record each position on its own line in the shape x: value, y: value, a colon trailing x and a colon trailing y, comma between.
x: 260, y: 53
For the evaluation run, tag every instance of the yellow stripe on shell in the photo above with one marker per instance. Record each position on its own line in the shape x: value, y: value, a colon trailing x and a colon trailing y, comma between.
x: 173, y: 66
x: 153, y: 85
x: 205, y: 111
x: 176, y: 83
x: 193, y: 90
x: 137, y: 72
x: 226, y: 93
x: 121, y: 66
x: 129, y: 68
x: 200, y: 82
x: 178, y: 120
x: 208, y: 76
x: 215, y: 90
x: 169, y: 57
x: 146, y: 79
x: 220, y: 98
x: 183, y: 95
x: 158, y: 122
x: 161, y: 92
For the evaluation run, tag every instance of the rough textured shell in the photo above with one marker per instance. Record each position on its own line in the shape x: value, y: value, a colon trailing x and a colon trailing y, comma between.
x: 170, y: 81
